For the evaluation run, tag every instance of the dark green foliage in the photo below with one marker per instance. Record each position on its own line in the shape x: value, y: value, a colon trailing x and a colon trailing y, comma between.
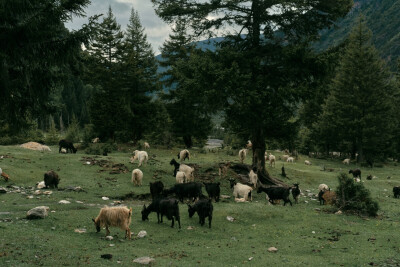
x: 359, y: 108
x: 259, y: 78
x: 354, y: 197
x: 35, y: 49
x: 73, y: 132
x: 52, y: 137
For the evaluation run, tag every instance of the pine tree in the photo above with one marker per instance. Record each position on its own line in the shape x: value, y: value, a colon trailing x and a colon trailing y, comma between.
x: 104, y: 54
x: 360, y: 106
x: 187, y: 109
x: 138, y: 80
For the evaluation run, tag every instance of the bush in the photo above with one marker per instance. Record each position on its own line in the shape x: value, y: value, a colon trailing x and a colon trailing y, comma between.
x: 100, y: 149
x: 354, y: 197
x: 73, y: 131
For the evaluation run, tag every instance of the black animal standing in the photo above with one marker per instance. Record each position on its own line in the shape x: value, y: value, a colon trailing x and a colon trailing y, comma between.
x: 213, y: 190
x: 204, y: 208
x: 296, y: 193
x: 356, y: 173
x: 51, y: 179
x: 396, y: 191
x: 69, y: 146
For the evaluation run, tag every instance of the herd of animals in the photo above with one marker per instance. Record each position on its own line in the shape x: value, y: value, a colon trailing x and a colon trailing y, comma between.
x: 186, y: 188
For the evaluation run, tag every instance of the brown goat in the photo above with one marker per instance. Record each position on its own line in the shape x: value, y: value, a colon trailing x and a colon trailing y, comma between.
x: 114, y: 216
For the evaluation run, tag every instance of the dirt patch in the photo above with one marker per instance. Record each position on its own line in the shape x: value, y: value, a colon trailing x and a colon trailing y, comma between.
x: 107, y: 165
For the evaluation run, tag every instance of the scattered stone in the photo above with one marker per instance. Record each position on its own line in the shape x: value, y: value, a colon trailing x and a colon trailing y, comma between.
x: 105, y: 198
x: 80, y: 231
x: 38, y: 213
x: 30, y: 197
x: 313, y: 232
x: 87, y: 162
x: 111, y: 245
x: 47, y: 192
x: 3, y: 190
x: 272, y: 249
x: 80, y: 202
x: 230, y: 218
x: 142, y: 234
x: 190, y: 228
x: 109, y: 238
x: 37, y: 192
x: 308, y: 191
x: 53, y: 228
x: 310, y: 194
x: 64, y: 202
x: 144, y: 260
x: 225, y: 197
x: 251, y: 258
x: 40, y: 185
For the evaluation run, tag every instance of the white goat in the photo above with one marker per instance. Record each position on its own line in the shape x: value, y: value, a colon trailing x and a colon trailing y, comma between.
x: 346, y: 161
x: 137, y: 177
x: 285, y: 157
x: 241, y: 190
x: 184, y: 154
x: 242, y: 154
x: 307, y: 162
x: 146, y: 145
x: 141, y: 156
x: 253, y: 178
x: 323, y: 187
x: 290, y: 159
x: 189, y: 172
x: 271, y: 159
x: 180, y: 177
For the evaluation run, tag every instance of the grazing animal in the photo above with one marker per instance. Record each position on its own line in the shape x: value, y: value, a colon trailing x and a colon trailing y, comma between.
x: 271, y: 159
x: 329, y: 197
x: 242, y: 154
x: 4, y: 175
x: 189, y: 171
x: 241, y: 190
x: 223, y: 169
x: 296, y: 193
x: 276, y: 193
x: 114, y: 216
x: 137, y: 177
x: 283, y: 172
x: 146, y: 145
x: 253, y: 176
x: 190, y: 190
x: 163, y: 206
x: 51, y: 179
x: 369, y: 177
x: 249, y: 145
x: 156, y: 189
x: 346, y: 161
x: 307, y: 162
x: 96, y: 140
x: 320, y: 198
x: 183, y: 155
x: 204, y: 209
x: 180, y: 177
x: 290, y: 159
x: 141, y: 156
x: 323, y: 187
x: 356, y: 173
x: 285, y: 157
x: 68, y: 145
x: 213, y: 190
x: 396, y: 191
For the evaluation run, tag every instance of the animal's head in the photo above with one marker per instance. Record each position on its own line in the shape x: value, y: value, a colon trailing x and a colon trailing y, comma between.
x: 173, y: 161
x: 97, y: 225
x: 74, y: 150
x: 296, y: 185
x: 232, y: 182
x: 5, y: 176
x: 191, y: 211
x: 145, y: 213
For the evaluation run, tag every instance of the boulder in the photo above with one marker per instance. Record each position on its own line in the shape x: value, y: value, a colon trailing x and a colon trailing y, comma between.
x: 38, y: 213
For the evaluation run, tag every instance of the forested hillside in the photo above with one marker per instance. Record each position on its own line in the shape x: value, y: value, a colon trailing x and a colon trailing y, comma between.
x: 382, y: 17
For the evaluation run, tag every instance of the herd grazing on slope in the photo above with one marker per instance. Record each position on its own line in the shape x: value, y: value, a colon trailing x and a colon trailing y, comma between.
x: 165, y: 201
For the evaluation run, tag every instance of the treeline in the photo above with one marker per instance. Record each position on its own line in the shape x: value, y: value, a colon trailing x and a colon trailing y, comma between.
x: 268, y: 86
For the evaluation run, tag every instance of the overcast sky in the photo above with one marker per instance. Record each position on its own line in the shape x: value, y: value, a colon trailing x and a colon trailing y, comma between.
x: 157, y: 31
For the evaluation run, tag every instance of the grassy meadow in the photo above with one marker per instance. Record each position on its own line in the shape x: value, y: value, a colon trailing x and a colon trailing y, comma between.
x: 304, y: 234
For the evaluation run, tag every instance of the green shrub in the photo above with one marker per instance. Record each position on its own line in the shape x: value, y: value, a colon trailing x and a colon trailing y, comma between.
x: 354, y: 197
x: 100, y: 149
x: 52, y: 137
x: 73, y: 134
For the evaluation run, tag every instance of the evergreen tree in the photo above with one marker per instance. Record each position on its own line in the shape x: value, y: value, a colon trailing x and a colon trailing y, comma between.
x: 359, y: 108
x: 188, y: 111
x: 268, y: 68
x: 138, y: 79
x: 104, y: 53
x: 35, y: 50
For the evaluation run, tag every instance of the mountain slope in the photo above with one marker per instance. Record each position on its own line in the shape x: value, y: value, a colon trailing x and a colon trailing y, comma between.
x: 383, y: 18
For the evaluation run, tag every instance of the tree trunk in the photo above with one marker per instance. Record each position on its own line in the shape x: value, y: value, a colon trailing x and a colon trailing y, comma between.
x: 258, y: 141
x: 187, y: 139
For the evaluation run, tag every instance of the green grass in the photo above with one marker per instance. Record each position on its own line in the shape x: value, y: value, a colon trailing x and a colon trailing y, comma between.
x: 302, y: 234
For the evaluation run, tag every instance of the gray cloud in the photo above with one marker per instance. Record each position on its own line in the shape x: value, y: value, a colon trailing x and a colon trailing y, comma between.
x: 157, y: 31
